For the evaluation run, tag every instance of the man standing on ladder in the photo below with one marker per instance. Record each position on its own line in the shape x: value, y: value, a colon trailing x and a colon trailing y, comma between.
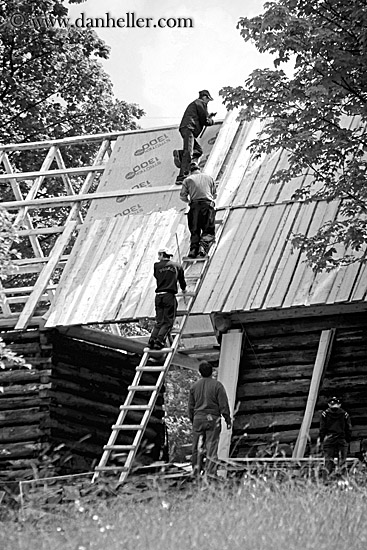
x: 167, y: 274
x: 199, y: 191
x: 194, y: 120
x: 208, y: 401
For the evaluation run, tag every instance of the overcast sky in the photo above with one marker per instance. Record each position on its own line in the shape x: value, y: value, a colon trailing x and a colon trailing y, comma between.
x: 162, y: 69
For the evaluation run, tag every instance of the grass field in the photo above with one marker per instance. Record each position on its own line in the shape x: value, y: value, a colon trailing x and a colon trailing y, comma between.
x: 249, y: 515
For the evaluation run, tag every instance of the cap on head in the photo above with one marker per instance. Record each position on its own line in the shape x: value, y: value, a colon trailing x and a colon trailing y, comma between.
x: 203, y: 93
x: 194, y: 167
x: 165, y: 252
x: 334, y: 401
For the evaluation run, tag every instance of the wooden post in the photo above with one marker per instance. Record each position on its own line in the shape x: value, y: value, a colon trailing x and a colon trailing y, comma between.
x: 322, y: 359
x: 229, y: 361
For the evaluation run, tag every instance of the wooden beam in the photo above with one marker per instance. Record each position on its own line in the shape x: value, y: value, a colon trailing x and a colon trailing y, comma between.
x: 70, y: 199
x: 52, y: 173
x: 322, y: 359
x: 243, y: 317
x: 29, y: 146
x: 133, y: 345
x: 229, y: 361
x: 45, y: 275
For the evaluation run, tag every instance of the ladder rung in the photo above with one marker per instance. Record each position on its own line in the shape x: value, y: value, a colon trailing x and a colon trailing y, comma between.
x: 218, y: 222
x: 156, y: 368
x: 134, y: 407
x: 198, y: 259
x: 136, y: 427
x: 119, y: 447
x: 143, y: 388
x: 182, y: 312
x: 111, y: 468
x: 157, y: 351
x: 197, y: 334
x: 183, y: 294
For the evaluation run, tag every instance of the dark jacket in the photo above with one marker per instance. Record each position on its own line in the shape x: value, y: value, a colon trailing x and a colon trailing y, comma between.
x: 335, y: 426
x: 167, y: 274
x: 208, y: 396
x: 196, y: 117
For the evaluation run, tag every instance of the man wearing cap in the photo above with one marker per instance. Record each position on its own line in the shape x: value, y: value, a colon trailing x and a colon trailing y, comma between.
x: 195, y: 118
x: 199, y: 191
x: 208, y: 401
x: 167, y: 274
x: 335, y: 434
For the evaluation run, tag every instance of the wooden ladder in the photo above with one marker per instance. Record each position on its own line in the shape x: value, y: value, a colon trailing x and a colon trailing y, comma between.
x: 139, y: 390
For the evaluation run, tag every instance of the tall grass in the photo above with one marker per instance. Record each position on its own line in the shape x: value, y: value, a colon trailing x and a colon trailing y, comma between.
x: 250, y: 515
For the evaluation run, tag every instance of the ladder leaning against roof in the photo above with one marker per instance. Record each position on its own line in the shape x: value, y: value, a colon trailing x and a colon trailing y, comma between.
x: 142, y: 394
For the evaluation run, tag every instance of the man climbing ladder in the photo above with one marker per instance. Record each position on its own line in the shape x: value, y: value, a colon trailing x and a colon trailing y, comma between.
x: 167, y: 274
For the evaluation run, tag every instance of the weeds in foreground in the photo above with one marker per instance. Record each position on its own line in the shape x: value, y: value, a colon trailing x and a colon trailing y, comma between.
x: 255, y: 513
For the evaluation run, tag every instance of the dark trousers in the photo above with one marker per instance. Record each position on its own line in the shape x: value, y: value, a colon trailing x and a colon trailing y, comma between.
x: 205, y: 435
x: 165, y: 313
x: 201, y: 221
x: 337, y: 449
x: 192, y: 151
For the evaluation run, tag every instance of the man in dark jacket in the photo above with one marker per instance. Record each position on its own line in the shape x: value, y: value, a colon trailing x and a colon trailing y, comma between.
x: 199, y: 191
x: 208, y: 401
x: 194, y: 119
x: 167, y: 274
x: 335, y: 434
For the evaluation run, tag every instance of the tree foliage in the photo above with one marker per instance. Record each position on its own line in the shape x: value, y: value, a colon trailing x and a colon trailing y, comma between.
x: 317, y: 111
x: 53, y: 84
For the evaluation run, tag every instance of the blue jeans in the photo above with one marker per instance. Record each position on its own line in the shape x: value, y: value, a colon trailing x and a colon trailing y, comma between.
x: 207, y: 429
x: 191, y: 151
x: 201, y: 222
x: 165, y: 313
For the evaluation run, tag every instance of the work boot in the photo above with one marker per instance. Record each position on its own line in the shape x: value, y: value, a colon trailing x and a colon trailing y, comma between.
x: 202, y: 252
x: 158, y: 345
x: 151, y: 343
x: 192, y: 253
x: 179, y: 180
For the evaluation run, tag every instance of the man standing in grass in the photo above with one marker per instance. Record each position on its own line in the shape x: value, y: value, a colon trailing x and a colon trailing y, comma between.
x: 335, y: 434
x: 208, y: 401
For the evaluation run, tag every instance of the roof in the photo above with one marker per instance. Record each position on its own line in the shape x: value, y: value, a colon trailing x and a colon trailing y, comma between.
x: 109, y: 276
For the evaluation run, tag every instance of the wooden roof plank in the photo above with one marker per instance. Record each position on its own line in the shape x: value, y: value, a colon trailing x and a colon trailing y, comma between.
x: 70, y: 285
x: 222, y: 144
x: 289, y: 260
x: 275, y: 253
x: 221, y: 273
x: 217, y: 273
x: 251, y: 268
x: 360, y: 289
x: 262, y: 190
x: 239, y: 160
x: 114, y: 257
x: 323, y: 213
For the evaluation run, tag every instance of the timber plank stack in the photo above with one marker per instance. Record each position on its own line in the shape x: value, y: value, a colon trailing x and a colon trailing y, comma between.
x: 275, y: 375
x: 56, y: 416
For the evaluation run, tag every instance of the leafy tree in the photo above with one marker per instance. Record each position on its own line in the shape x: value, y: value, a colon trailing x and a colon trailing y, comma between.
x: 53, y: 84
x: 310, y: 112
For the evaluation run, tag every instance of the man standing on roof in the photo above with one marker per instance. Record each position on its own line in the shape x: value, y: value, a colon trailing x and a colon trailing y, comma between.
x: 199, y: 191
x: 208, y: 401
x: 335, y: 434
x: 194, y: 119
x: 167, y: 274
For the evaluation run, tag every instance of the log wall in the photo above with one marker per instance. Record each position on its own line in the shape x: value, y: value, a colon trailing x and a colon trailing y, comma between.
x: 275, y: 374
x: 56, y: 416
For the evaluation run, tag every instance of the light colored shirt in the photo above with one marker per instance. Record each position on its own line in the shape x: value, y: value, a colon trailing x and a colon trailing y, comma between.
x: 198, y: 187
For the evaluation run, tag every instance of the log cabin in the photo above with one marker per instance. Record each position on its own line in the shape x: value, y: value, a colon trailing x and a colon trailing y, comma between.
x: 288, y: 337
